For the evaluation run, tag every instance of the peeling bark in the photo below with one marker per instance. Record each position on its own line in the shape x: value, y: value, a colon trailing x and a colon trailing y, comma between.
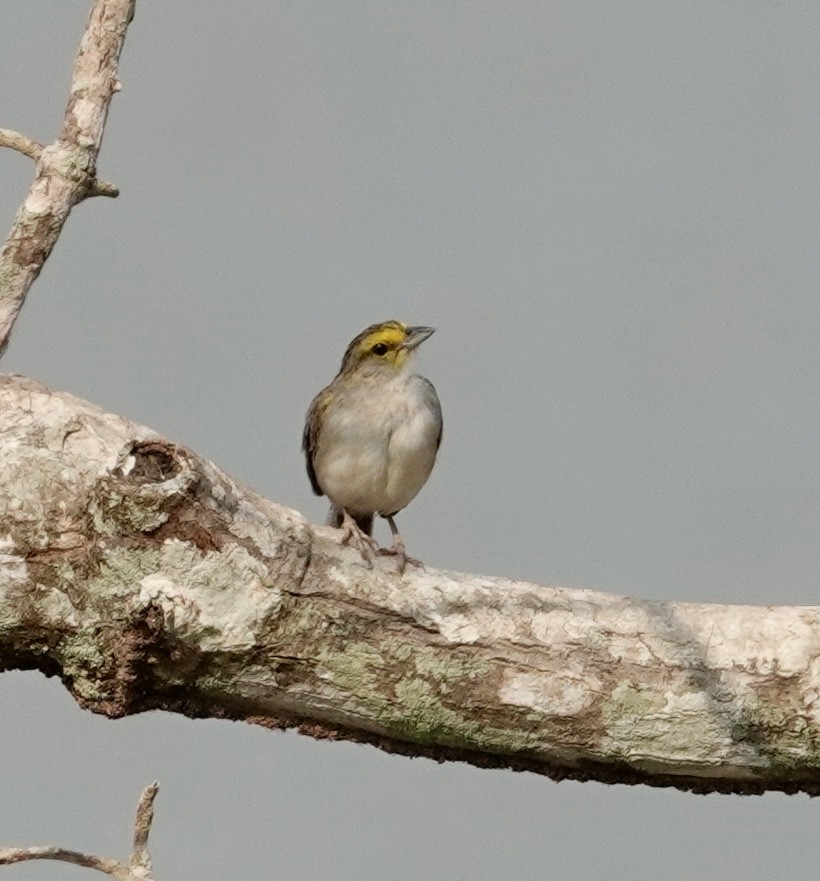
x: 145, y: 578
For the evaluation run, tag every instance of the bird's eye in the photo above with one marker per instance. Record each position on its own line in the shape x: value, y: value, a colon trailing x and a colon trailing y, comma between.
x: 379, y: 349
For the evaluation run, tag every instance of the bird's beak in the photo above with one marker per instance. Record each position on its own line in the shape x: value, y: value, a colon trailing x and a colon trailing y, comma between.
x: 416, y: 336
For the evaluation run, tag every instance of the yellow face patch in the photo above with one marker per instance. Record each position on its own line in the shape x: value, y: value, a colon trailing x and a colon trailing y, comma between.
x: 385, y: 344
x: 379, y: 343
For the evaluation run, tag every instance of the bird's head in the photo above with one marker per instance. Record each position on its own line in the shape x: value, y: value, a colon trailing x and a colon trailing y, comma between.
x: 385, y: 346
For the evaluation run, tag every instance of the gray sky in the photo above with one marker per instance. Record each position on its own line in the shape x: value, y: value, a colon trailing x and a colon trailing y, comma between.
x: 609, y: 210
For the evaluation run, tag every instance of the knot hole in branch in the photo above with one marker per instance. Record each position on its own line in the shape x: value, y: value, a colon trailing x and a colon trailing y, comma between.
x: 152, y: 462
x: 151, y: 481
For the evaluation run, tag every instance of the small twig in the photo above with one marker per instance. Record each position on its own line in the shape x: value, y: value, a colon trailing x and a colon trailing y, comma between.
x: 103, y: 188
x: 139, y: 866
x: 20, y: 143
x: 11, y: 855
x: 140, y: 858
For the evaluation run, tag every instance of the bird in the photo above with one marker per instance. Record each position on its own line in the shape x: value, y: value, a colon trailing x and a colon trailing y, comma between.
x: 371, y: 436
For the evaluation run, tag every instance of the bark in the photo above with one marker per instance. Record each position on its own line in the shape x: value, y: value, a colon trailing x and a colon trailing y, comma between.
x: 145, y: 578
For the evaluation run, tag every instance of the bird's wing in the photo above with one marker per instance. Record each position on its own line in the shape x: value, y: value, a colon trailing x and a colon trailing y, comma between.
x: 310, y: 436
x: 429, y: 391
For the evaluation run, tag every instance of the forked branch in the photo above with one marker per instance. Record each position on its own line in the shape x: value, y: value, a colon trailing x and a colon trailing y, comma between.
x: 138, y: 867
x: 66, y: 169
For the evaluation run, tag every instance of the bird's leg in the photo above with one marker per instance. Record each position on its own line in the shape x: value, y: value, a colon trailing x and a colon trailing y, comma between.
x: 398, y: 547
x: 354, y: 535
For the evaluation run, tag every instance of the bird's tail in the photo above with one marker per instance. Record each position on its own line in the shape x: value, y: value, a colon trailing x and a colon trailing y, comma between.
x: 363, y: 521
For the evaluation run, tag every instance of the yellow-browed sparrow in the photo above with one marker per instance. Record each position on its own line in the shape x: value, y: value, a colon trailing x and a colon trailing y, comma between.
x: 372, y: 435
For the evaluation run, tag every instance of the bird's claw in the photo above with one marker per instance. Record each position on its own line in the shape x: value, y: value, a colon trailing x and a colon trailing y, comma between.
x: 400, y: 554
x: 364, y: 544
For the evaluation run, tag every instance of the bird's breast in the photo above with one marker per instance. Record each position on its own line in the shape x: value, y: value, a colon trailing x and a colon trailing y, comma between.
x: 378, y: 445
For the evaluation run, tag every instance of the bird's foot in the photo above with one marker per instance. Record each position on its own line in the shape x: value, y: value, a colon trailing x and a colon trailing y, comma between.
x: 400, y: 554
x: 353, y: 535
x: 397, y: 550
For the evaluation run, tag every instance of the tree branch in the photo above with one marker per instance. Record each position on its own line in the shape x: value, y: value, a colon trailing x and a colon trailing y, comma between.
x: 139, y: 866
x: 146, y: 578
x: 67, y: 169
x: 20, y: 143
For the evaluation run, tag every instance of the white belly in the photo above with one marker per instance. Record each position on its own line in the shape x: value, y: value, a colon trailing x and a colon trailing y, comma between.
x: 377, y: 461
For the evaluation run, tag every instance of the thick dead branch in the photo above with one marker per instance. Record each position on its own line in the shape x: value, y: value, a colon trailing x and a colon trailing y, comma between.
x: 145, y: 578
x: 138, y: 867
x: 67, y: 169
